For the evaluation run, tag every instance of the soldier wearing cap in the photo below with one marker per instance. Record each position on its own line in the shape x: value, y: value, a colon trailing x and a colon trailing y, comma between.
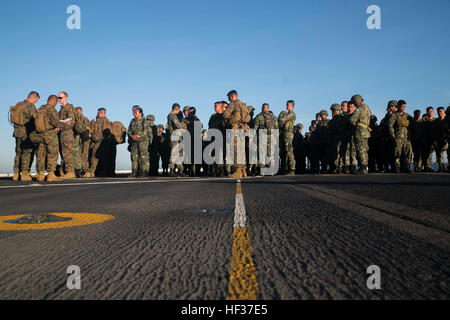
x: 191, y: 120
x: 174, y: 123
x: 325, y: 141
x: 286, y: 122
x: 360, y: 119
x: 401, y: 138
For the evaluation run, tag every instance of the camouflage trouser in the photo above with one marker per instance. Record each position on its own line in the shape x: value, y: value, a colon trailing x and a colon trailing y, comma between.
x: 24, y: 154
x: 427, y: 154
x: 336, y: 153
x: 362, y: 148
x: 441, y: 148
x: 417, y: 154
x: 287, y: 152
x: 47, y: 152
x: 139, y: 156
x: 67, y: 142
x: 173, y: 165
x: 77, y: 162
x: 348, y: 153
x: 85, y: 155
x: 95, y: 157
x: 403, y: 153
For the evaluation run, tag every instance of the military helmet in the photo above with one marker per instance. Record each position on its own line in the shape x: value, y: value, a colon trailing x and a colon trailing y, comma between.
x: 186, y: 108
x: 300, y: 125
x: 324, y: 112
x: 150, y: 117
x: 356, y: 98
x: 335, y: 107
x: 392, y: 103
x: 160, y: 126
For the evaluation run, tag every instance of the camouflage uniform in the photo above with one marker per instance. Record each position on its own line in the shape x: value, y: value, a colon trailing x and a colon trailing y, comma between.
x: 24, y: 147
x: 192, y: 168
x: 233, y: 115
x: 48, y: 149
x: 66, y: 137
x: 152, y: 150
x: 101, y: 131
x: 299, y: 150
x: 399, y: 134
x: 361, y: 120
x: 324, y: 143
x: 139, y: 149
x: 386, y: 145
x: 427, y: 132
x: 348, y: 153
x: 286, y: 122
x: 216, y: 121
x: 441, y: 141
x: 81, y: 147
x: 266, y: 120
x: 174, y: 123
x: 336, y: 133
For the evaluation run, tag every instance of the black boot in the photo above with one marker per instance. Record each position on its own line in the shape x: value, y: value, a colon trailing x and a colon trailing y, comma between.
x: 78, y: 173
x: 133, y: 174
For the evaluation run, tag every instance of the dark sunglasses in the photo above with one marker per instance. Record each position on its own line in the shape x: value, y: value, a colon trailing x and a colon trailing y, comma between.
x: 60, y: 98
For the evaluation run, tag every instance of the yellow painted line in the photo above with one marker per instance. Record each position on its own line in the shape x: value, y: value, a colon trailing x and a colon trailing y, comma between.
x: 243, y: 284
x: 78, y: 219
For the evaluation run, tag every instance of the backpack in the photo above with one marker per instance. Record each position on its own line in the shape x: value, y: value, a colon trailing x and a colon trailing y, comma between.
x: 242, y: 116
x: 17, y: 114
x: 41, y: 121
x: 119, y: 132
x: 79, y: 127
x: 268, y: 121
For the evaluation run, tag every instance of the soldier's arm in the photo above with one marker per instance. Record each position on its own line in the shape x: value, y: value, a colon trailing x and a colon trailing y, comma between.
x: 54, y: 119
x: 177, y: 123
x: 355, y: 117
x: 391, y: 126
x: 129, y: 133
x: 229, y: 111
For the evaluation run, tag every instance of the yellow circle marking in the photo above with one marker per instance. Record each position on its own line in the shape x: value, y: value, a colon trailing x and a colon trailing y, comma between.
x: 78, y: 219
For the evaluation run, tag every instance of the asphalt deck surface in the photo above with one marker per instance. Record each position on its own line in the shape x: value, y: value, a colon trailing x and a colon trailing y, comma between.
x: 312, y: 237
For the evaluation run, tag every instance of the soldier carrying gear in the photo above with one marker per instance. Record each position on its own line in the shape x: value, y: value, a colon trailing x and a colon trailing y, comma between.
x: 138, y: 135
x: 361, y: 120
x: 286, y: 122
x: 22, y: 118
x: 238, y: 118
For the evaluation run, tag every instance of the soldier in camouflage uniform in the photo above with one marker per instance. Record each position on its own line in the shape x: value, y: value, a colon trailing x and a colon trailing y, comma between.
x: 216, y: 121
x: 314, y: 146
x: 299, y: 149
x: 416, y: 140
x: 66, y: 136
x: 348, y: 145
x: 386, y: 146
x: 400, y: 135
x: 286, y: 122
x: 441, y: 138
x: 81, y: 145
x: 265, y: 120
x: 48, y: 148
x: 325, y: 142
x: 101, y: 133
x: 192, y: 169
x: 427, y: 132
x: 237, y: 118
x: 152, y: 133
x: 138, y: 135
x: 174, y: 123
x: 360, y: 119
x: 336, y: 132
x: 24, y: 147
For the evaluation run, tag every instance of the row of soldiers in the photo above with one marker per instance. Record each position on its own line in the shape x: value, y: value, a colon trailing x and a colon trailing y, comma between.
x: 87, y: 148
x: 352, y: 135
x: 350, y: 142
x: 398, y: 141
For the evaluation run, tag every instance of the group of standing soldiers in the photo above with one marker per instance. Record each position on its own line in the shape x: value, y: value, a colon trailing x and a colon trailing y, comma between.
x: 333, y: 146
x: 351, y: 141
x: 87, y: 148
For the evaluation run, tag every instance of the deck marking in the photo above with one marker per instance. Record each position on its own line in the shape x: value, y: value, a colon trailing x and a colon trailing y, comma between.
x: 243, y: 283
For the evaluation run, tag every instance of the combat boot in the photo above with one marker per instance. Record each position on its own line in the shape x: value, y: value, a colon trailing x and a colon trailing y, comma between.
x: 25, y: 176
x: 69, y: 175
x: 134, y: 174
x: 16, y: 175
x: 61, y: 171
x: 51, y: 177
x: 86, y: 175
x: 237, y: 174
x: 40, y: 176
x: 78, y: 173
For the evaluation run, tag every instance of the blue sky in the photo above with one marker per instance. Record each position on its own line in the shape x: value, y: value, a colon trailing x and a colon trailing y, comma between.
x: 155, y: 53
